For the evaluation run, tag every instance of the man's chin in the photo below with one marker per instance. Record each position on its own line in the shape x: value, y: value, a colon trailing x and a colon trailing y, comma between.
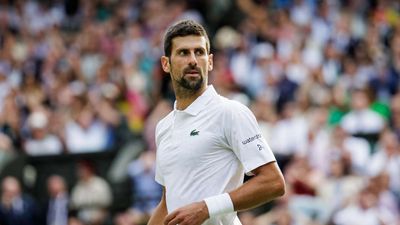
x: 193, y: 85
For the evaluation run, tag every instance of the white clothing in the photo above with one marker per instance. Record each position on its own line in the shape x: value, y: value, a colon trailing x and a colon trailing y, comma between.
x: 358, y: 148
x: 90, y: 198
x: 205, y: 150
x: 94, y: 193
x: 49, y: 145
x: 290, y: 136
x: 240, y: 65
x: 356, y: 215
x: 365, y: 121
x: 92, y: 139
x: 381, y: 162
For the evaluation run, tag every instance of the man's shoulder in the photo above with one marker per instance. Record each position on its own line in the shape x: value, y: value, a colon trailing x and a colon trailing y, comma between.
x: 164, y: 122
x: 229, y: 106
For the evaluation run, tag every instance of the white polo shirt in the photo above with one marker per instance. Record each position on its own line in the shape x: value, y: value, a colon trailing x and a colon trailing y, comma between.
x: 205, y: 150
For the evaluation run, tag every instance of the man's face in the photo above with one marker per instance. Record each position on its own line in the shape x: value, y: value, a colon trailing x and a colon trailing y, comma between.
x: 189, y: 62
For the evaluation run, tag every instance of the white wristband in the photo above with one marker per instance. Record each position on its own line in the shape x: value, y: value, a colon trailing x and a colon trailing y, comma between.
x: 219, y: 204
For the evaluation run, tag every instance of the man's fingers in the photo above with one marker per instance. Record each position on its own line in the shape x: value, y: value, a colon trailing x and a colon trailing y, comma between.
x: 175, y: 221
x: 170, y: 217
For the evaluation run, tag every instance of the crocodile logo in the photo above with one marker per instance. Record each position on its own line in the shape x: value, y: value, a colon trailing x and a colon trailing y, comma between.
x: 194, y: 132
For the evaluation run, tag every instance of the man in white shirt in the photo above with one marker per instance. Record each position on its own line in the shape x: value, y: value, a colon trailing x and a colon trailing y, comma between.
x: 207, y: 143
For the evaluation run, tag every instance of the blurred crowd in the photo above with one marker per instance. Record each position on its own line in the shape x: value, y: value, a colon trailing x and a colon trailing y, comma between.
x: 321, y: 76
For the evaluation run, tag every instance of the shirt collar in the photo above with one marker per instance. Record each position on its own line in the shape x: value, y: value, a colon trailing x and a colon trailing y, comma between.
x: 199, y: 103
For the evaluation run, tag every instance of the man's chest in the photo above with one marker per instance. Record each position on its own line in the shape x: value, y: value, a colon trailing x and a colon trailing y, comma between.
x: 190, y: 142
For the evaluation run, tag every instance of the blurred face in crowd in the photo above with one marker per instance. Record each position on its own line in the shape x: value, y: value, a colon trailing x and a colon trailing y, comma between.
x: 390, y: 142
x: 55, y: 185
x: 359, y: 100
x: 10, y: 190
x: 189, y: 62
x: 85, y: 171
x: 86, y: 117
x: 39, y: 133
x: 367, y: 199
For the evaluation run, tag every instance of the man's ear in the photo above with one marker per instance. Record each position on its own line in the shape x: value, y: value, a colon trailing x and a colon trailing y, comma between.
x: 210, y: 62
x: 165, y: 64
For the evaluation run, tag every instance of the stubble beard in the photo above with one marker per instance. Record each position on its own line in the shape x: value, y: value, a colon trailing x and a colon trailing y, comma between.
x: 191, y: 85
x: 186, y: 86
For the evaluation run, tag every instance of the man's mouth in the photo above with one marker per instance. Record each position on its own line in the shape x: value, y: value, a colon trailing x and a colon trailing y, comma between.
x: 192, y: 73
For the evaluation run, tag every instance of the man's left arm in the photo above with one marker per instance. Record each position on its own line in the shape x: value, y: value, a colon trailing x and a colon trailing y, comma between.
x: 266, y: 185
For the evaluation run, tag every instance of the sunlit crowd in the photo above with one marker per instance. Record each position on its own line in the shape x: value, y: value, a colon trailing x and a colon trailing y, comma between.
x: 321, y: 76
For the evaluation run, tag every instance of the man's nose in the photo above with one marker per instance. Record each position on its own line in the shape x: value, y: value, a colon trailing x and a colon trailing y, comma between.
x: 192, y: 59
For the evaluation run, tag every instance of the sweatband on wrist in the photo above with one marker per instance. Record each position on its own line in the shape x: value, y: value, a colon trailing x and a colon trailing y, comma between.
x: 219, y: 204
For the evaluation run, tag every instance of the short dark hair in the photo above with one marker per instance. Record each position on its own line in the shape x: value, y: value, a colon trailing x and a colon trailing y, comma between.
x: 181, y: 29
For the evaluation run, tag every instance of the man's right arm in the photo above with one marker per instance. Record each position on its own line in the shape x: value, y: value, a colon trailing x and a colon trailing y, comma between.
x: 160, y: 212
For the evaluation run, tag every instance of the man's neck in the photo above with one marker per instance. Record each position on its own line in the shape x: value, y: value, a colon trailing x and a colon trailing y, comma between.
x: 183, y: 100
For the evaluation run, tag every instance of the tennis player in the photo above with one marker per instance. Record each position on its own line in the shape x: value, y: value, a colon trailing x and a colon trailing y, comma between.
x: 207, y: 143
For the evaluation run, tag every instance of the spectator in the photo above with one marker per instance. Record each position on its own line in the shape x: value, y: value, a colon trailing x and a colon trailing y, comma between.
x: 10, y: 122
x: 303, y: 181
x: 41, y: 142
x: 146, y: 192
x: 339, y: 188
x: 387, y: 160
x: 7, y: 153
x: 86, y: 133
x: 361, y: 120
x: 387, y: 201
x: 90, y: 196
x: 363, y: 211
x: 57, y: 205
x: 355, y: 151
x: 290, y: 133
x: 16, y: 208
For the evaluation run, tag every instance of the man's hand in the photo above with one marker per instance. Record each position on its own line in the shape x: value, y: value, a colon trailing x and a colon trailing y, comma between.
x: 193, y: 214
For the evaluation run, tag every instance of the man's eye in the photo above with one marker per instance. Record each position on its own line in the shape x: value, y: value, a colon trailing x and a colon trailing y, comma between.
x: 182, y: 53
x: 199, y: 52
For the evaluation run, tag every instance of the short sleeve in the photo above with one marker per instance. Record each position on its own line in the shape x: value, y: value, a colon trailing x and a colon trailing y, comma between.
x: 244, y: 137
x: 158, y: 175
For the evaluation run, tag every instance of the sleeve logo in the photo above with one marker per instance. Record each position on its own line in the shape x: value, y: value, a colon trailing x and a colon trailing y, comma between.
x: 248, y: 140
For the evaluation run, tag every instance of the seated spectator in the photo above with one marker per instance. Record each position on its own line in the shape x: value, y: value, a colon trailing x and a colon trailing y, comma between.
x: 16, y: 208
x: 41, y: 141
x: 146, y: 192
x: 363, y: 211
x: 86, y: 133
x: 386, y: 159
x: 10, y: 121
x: 387, y: 201
x: 91, y: 195
x: 339, y: 188
x: 316, y: 148
x: 303, y: 181
x: 290, y: 134
x: 361, y: 120
x: 7, y: 153
x: 354, y: 150
x: 57, y: 205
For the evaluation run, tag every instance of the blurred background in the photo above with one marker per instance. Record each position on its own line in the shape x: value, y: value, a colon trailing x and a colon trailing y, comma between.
x: 81, y: 91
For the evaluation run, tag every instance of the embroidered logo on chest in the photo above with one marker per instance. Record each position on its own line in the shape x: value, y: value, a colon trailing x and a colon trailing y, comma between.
x: 194, y: 132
